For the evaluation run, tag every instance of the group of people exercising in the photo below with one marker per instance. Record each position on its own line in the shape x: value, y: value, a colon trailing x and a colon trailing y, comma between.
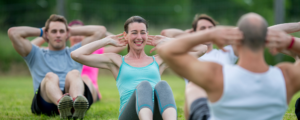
x: 218, y: 87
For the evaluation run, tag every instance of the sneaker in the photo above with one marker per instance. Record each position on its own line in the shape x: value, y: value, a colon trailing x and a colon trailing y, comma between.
x: 80, y: 105
x: 65, y: 103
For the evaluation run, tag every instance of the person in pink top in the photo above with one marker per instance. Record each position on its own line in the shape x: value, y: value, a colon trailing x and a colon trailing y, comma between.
x: 88, y: 73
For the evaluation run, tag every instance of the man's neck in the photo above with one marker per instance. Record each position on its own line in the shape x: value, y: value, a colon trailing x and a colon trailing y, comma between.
x: 252, y: 61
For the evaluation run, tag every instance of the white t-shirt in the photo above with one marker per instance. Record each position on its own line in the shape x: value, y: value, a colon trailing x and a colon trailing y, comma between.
x: 219, y: 56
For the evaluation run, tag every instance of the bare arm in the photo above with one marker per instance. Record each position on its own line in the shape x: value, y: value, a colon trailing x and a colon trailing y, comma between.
x: 175, y: 54
x: 279, y: 41
x: 92, y: 32
x: 84, y: 54
x: 287, y: 27
x: 172, y: 33
x: 113, y: 49
x: 108, y: 33
x: 18, y: 37
x: 38, y: 41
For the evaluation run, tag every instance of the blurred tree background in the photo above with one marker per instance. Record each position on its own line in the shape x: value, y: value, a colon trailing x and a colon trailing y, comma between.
x: 160, y: 14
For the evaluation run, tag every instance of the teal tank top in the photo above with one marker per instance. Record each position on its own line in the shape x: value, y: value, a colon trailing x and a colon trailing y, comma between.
x: 129, y: 77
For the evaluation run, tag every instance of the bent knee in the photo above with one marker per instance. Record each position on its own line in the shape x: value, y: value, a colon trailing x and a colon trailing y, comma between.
x: 144, y: 84
x: 162, y: 84
x: 73, y: 73
x: 50, y: 76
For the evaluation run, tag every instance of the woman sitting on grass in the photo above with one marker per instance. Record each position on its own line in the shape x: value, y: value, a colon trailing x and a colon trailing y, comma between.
x: 142, y: 93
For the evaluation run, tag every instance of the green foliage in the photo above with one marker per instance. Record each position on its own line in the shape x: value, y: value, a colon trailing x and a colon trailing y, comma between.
x: 113, y: 13
x: 8, y: 54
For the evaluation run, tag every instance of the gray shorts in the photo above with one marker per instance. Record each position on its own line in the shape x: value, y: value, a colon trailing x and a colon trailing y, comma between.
x: 199, y: 110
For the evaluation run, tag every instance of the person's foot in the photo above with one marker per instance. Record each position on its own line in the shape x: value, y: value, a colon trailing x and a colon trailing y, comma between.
x: 80, y: 105
x: 65, y: 103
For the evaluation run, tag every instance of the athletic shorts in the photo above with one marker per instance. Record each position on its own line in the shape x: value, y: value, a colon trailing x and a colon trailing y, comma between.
x: 199, y: 110
x: 40, y: 106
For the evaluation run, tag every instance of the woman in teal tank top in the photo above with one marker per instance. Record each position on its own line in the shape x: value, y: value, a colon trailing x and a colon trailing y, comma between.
x: 142, y: 93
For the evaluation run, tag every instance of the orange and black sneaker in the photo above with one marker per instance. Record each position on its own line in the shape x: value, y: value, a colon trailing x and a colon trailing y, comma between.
x: 80, y: 105
x: 65, y: 103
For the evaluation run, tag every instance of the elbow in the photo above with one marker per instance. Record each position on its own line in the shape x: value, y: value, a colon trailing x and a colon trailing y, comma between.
x: 100, y: 32
x: 102, y: 29
x: 11, y: 31
x: 163, y: 32
x: 74, y: 56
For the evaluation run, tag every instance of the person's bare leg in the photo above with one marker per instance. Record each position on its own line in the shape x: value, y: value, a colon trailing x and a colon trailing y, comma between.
x: 50, y: 90
x: 192, y: 92
x: 93, y: 90
x: 145, y: 114
x: 169, y: 114
x: 74, y: 84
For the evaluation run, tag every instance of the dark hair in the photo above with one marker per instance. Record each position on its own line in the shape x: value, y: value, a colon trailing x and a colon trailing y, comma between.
x: 254, y: 29
x: 133, y: 19
x: 201, y: 17
x: 55, y: 18
x: 75, y: 22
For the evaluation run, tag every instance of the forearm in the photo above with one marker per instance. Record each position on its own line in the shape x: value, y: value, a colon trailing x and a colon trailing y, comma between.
x: 87, y: 30
x: 113, y: 49
x: 18, y: 37
x: 183, y: 44
x: 23, y: 32
x: 90, y: 48
x: 38, y: 41
x: 108, y: 33
x: 172, y: 33
x: 92, y: 33
x: 296, y: 46
x: 287, y: 27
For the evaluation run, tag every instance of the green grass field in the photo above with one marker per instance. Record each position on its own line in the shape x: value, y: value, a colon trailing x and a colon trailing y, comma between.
x: 16, y: 93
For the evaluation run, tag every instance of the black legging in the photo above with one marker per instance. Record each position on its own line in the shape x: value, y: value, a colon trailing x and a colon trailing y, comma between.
x: 142, y: 97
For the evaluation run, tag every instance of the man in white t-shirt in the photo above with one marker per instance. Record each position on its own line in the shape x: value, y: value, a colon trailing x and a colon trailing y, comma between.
x: 202, y: 23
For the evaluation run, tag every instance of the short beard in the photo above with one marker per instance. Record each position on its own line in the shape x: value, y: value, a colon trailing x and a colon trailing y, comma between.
x: 57, y: 47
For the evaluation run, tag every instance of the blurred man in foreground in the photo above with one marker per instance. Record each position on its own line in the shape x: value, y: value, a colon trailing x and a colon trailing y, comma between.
x: 249, y: 90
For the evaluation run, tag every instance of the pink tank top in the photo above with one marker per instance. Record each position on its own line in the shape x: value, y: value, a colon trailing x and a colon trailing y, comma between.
x: 92, y: 72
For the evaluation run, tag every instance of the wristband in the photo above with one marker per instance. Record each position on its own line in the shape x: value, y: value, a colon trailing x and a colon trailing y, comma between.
x: 292, y: 43
x: 41, y: 35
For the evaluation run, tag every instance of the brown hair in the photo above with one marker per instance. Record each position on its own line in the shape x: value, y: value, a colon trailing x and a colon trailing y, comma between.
x: 133, y: 19
x: 55, y: 18
x: 201, y: 17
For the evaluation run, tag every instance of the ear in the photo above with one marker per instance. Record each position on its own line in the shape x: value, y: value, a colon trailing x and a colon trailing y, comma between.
x: 236, y: 48
x: 68, y: 34
x: 125, y: 35
x: 45, y: 36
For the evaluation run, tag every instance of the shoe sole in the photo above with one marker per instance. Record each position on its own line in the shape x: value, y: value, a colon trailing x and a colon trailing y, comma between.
x: 81, y: 105
x: 64, y: 106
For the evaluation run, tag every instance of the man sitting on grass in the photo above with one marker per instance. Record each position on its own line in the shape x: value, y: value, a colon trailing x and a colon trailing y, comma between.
x: 53, y: 70
x: 250, y: 90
